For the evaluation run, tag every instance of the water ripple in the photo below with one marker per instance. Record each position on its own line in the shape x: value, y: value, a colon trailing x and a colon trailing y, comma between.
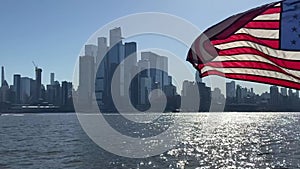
x: 229, y: 140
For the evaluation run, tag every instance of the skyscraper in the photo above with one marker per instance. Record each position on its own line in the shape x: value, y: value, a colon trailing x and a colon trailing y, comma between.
x: 130, y: 64
x: 102, y: 49
x: 2, y: 76
x: 159, y: 75
x: 66, y: 92
x: 170, y: 89
x: 291, y: 94
x: 239, y: 97
x: 100, y: 69
x: 38, y: 84
x: 54, y: 93
x: 274, y: 96
x: 86, y: 79
x: 130, y: 51
x: 115, y: 55
x: 144, y: 82
x: 190, y: 98
x: 217, y: 96
x: 91, y: 50
x: 230, y: 90
x: 284, y: 91
x: 165, y: 70
x: 25, y: 89
x: 116, y: 49
x: 145, y: 88
x: 17, y: 88
x: 197, y: 77
x: 115, y: 36
x: 52, y: 78
x: 4, y: 90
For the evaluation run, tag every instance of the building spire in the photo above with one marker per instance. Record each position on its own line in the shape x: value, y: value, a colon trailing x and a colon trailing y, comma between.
x: 2, y: 76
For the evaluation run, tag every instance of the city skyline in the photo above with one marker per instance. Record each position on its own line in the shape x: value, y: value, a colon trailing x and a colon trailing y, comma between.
x: 30, y: 91
x: 112, y: 69
x: 51, y: 77
x: 239, y: 98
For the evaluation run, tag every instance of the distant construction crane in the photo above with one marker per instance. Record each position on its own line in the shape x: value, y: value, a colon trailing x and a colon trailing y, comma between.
x: 37, y: 96
x: 36, y: 67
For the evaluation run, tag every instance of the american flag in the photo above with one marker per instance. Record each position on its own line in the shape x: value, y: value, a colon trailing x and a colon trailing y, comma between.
x: 260, y: 45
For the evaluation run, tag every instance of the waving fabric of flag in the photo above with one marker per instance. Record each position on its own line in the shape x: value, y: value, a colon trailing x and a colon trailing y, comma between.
x: 260, y: 45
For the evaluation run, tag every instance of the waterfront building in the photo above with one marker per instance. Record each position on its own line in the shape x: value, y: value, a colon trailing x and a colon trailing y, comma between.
x: 17, y: 88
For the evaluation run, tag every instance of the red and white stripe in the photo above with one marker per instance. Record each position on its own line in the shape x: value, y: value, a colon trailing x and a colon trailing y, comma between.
x: 253, y: 54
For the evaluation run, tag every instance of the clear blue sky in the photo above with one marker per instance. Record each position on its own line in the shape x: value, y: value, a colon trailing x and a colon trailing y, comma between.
x: 52, y: 32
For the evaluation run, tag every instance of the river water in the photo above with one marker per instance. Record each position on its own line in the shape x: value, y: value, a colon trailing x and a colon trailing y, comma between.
x: 232, y: 140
